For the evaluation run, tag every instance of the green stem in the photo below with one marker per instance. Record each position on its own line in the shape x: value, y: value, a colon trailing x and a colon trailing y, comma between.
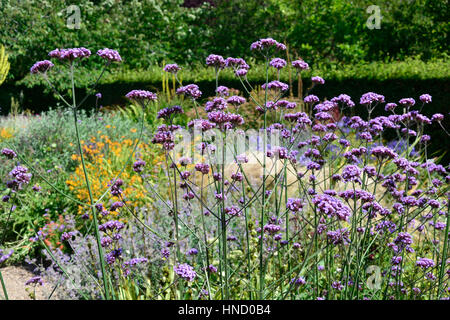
x: 444, y: 253
x: 91, y: 198
x: 261, y: 220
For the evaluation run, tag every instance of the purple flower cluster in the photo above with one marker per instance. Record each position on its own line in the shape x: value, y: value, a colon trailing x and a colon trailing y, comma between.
x: 202, y: 167
x: 115, y: 187
x: 141, y: 95
x: 172, y: 68
x: 21, y: 176
x: 138, y: 166
x: 339, y: 236
x: 311, y: 99
x: 300, y: 65
x: 275, y: 85
x: 8, y: 153
x: 317, y: 80
x: 351, y: 173
x: 70, y: 54
x: 166, y: 113
x: 278, y: 63
x: 109, y: 54
x: 425, y: 263
x: 164, y: 136
x: 344, y: 99
x: 214, y: 60
x: 190, y: 90
x: 266, y: 44
x: 41, y: 67
x: 294, y: 205
x: 407, y: 102
x: 185, y: 271
x: 425, y: 98
x: 35, y: 280
x: 371, y: 97
x: 217, y: 104
x: 112, y: 225
x: 331, y: 206
x: 236, y: 100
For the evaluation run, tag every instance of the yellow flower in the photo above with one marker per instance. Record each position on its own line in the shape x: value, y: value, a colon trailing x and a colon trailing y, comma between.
x: 6, y: 133
x: 104, y: 161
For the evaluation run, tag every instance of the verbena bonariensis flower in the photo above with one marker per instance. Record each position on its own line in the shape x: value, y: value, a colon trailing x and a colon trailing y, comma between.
x: 425, y: 263
x: 267, y: 43
x: 214, y: 60
x: 317, y: 80
x: 41, y: 67
x: 425, y: 98
x: 237, y: 63
x: 109, y: 54
x: 172, y: 68
x: 298, y: 281
x: 331, y: 206
x: 300, y: 65
x: 70, y: 54
x: 185, y: 271
x: 192, y: 252
x: 275, y: 85
x: 223, y: 91
x: 371, y: 97
x: 344, y: 99
x: 202, y: 167
x: 236, y: 100
x: 311, y: 99
x: 294, y: 205
x: 217, y: 104
x: 165, y: 137
x: 201, y: 124
x: 166, y: 113
x: 190, y: 90
x: 437, y: 117
x: 35, y: 280
x: 21, y: 175
x: 285, y: 104
x: 225, y: 120
x: 390, y: 106
x: 139, y: 165
x: 112, y: 225
x: 339, y: 236
x: 233, y: 211
x: 351, y: 173
x: 407, y: 102
x: 141, y: 95
x: 8, y: 153
x: 278, y: 63
x: 384, y: 152
x: 115, y: 187
x: 241, y: 72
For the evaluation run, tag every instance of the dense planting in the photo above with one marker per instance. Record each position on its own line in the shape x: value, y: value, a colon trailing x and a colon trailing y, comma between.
x: 312, y: 204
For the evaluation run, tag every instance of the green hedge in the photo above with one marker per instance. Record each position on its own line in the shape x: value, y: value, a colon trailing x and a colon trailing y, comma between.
x: 145, y: 32
x: 396, y: 80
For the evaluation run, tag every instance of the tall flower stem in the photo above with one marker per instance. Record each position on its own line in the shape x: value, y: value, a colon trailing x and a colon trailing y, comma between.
x: 261, y: 220
x: 444, y: 253
x: 91, y: 198
x: 5, y: 292
x: 223, y: 218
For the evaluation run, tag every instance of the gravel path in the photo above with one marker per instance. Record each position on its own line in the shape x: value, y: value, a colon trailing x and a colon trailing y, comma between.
x: 15, y: 278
